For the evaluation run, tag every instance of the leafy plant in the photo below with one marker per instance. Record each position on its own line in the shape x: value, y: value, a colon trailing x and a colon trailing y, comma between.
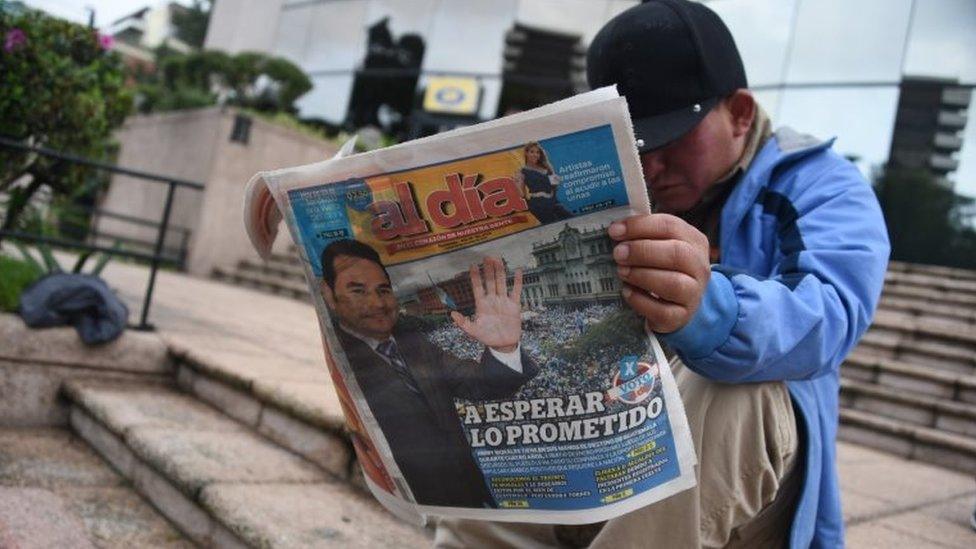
x: 248, y: 79
x: 51, y: 265
x: 191, y: 22
x: 60, y: 88
x: 15, y: 275
x: 927, y: 221
x: 18, y: 274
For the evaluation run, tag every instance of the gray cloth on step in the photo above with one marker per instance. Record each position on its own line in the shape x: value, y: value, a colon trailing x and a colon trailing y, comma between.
x: 80, y: 300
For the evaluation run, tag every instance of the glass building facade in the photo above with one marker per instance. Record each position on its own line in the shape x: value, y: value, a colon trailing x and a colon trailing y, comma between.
x: 831, y: 68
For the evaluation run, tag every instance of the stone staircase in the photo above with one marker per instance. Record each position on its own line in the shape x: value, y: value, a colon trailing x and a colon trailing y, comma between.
x: 910, y: 385
x: 282, y: 274
x: 220, y: 482
x: 229, y: 461
x: 56, y: 492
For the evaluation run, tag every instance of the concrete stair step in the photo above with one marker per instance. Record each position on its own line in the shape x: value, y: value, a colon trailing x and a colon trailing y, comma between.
x: 218, y: 481
x: 290, y: 272
x: 290, y: 259
x: 930, y: 280
x: 938, y: 330
x: 912, y: 379
x: 934, y: 354
x: 267, y: 283
x: 902, y: 438
x: 56, y: 492
x: 941, y: 341
x: 133, y: 352
x: 946, y: 272
x: 35, y: 363
x: 301, y: 413
x: 929, y: 294
x: 33, y: 517
x: 946, y: 415
x: 927, y: 309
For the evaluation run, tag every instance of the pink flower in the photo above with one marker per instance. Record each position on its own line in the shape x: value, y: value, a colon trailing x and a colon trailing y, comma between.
x: 14, y: 40
x: 106, y: 41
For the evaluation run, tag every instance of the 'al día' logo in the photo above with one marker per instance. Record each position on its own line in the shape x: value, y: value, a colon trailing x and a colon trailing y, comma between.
x: 634, y: 381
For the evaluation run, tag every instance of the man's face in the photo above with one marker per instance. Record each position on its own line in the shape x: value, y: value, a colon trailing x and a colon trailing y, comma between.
x: 678, y: 174
x: 362, y: 298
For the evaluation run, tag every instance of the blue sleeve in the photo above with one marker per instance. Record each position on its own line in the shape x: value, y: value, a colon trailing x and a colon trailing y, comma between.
x: 802, y: 320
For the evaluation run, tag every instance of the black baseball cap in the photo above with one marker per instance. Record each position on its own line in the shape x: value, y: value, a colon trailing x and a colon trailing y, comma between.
x: 673, y: 60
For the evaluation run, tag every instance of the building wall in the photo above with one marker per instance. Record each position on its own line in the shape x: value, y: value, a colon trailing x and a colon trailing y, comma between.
x: 243, y: 25
x: 195, y: 145
x: 220, y: 239
x: 574, y: 268
x: 327, y: 38
x: 832, y: 68
x: 177, y: 144
x: 825, y: 67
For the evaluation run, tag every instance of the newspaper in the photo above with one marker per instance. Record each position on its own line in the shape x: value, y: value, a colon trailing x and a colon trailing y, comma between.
x: 472, y: 321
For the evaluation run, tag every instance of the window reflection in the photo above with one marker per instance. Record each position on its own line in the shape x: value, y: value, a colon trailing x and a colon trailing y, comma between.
x: 337, y: 37
x: 761, y: 29
x: 844, y: 41
x: 965, y: 176
x: 942, y: 40
x: 862, y: 119
x: 293, y: 29
x: 329, y: 98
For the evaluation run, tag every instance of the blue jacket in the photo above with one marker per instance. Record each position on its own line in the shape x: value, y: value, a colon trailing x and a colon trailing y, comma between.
x: 804, y: 251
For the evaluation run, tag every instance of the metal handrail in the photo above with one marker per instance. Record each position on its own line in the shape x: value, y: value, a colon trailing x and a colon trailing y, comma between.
x: 155, y: 259
x: 75, y: 159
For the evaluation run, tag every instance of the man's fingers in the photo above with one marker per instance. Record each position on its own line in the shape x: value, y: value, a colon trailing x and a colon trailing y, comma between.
x: 671, y: 255
x: 477, y: 287
x: 672, y: 286
x: 656, y: 227
x: 489, y: 272
x: 460, y: 321
x: 517, y: 287
x: 661, y: 316
x: 501, y: 288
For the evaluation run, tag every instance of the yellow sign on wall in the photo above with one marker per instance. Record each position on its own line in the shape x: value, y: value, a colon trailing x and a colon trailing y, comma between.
x: 452, y: 95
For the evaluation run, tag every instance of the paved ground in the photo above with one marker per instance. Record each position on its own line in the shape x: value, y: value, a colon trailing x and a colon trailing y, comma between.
x: 888, y: 501
x: 56, y: 492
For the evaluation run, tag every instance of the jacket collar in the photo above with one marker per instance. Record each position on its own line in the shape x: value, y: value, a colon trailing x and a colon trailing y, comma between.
x: 786, y: 146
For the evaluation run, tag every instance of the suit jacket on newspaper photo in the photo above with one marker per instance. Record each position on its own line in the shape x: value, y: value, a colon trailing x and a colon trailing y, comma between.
x: 424, y: 430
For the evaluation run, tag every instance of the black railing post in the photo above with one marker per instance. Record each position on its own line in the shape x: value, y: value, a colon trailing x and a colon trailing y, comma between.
x: 154, y: 265
x: 93, y: 233
x: 183, y: 245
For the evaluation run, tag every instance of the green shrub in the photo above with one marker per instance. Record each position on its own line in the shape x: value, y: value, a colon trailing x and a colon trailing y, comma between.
x: 61, y: 88
x: 248, y: 79
x: 15, y: 275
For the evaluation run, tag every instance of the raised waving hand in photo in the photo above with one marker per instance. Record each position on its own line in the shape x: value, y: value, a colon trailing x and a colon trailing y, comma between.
x: 497, y: 319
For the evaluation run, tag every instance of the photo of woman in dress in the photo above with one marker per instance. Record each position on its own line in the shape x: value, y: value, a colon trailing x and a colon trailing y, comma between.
x: 539, y: 183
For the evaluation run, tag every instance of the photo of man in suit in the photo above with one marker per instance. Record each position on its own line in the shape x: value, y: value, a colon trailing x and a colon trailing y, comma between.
x: 410, y: 384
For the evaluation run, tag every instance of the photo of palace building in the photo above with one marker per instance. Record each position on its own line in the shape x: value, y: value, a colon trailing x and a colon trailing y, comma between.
x: 573, y: 269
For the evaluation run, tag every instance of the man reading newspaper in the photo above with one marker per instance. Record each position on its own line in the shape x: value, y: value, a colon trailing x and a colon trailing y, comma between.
x: 761, y: 269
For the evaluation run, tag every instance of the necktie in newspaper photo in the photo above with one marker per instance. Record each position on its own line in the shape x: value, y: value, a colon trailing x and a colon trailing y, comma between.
x: 389, y: 350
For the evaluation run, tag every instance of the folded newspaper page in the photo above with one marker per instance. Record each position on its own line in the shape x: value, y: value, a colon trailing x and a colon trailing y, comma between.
x: 472, y: 320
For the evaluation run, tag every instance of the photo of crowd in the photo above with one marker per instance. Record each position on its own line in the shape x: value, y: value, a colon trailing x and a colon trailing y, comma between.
x: 576, y: 349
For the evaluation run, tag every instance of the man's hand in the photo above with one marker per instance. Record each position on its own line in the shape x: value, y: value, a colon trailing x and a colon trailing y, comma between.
x: 497, y: 320
x: 664, y: 263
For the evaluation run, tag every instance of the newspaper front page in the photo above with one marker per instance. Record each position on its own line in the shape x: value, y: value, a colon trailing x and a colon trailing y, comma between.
x: 472, y: 320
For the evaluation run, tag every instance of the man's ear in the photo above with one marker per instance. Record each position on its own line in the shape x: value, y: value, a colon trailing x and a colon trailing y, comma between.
x: 742, y: 107
x: 327, y: 294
